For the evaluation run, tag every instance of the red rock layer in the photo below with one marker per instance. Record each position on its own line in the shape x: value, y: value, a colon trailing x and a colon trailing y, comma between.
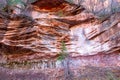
x: 83, y: 34
x: 49, y: 4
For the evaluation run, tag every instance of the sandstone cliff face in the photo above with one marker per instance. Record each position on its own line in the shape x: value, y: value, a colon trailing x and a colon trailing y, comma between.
x: 99, y: 7
x: 82, y: 32
x: 32, y: 43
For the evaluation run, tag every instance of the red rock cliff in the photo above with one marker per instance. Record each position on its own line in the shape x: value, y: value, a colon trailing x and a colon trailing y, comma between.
x: 89, y: 40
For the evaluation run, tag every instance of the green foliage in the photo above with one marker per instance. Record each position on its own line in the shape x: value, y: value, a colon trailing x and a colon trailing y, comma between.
x: 31, y: 1
x: 14, y: 2
x: 111, y: 76
x: 62, y: 54
x: 8, y: 6
x: 77, y: 2
x: 60, y: 13
x: 1, y: 5
x: 16, y: 64
x: 70, y: 1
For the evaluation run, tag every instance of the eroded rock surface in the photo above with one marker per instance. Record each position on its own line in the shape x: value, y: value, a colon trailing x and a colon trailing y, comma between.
x: 83, y: 33
x: 30, y: 45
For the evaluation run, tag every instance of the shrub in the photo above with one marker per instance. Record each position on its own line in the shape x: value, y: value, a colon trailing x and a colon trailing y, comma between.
x: 62, y: 54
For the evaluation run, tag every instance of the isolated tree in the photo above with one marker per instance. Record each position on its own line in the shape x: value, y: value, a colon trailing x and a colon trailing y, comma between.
x: 64, y: 57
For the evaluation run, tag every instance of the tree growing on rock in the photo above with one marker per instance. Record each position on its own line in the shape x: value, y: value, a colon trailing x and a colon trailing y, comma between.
x: 64, y: 57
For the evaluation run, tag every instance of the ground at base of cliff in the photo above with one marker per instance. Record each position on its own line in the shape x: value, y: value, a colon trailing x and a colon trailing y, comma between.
x: 84, y: 73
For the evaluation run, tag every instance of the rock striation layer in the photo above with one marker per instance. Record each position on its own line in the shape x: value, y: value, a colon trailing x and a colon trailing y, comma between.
x: 30, y: 44
x: 82, y: 32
